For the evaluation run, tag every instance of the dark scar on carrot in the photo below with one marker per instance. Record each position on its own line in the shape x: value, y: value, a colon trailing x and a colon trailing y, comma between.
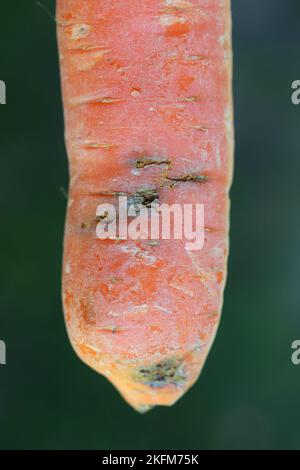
x: 186, y: 178
x: 162, y: 374
x: 144, y: 162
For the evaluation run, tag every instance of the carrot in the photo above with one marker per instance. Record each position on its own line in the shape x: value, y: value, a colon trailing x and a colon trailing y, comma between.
x: 148, y: 116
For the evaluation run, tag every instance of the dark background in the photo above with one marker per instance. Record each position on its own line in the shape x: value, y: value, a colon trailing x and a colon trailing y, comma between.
x: 248, y: 395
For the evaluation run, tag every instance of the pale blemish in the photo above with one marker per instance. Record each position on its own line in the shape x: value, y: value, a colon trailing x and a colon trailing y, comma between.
x: 167, y: 20
x: 113, y: 314
x: 190, y: 59
x: 96, y: 350
x: 216, y: 252
x: 223, y: 39
x: 205, y: 275
x: 110, y: 328
x: 139, y: 253
x: 140, y: 309
x: 94, y: 98
x: 178, y: 4
x: 182, y: 288
x: 121, y: 70
x: 218, y: 156
x: 227, y: 55
x: 80, y: 31
x: 190, y: 99
x: 135, y: 93
x: 89, y: 60
x: 68, y: 268
x: 163, y: 309
x: 170, y: 20
x: 228, y: 120
x: 200, y: 128
x: 203, y: 155
x: 84, y: 47
x: 196, y: 57
x: 99, y: 145
x: 207, y: 279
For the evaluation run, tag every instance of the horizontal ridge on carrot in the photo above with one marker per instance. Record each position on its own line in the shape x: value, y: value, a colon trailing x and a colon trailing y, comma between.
x: 148, y: 116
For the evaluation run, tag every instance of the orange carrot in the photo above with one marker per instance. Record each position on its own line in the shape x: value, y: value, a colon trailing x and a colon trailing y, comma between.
x: 148, y: 115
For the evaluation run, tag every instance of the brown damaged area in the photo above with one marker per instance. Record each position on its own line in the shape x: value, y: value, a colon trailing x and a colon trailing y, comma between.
x: 168, y: 372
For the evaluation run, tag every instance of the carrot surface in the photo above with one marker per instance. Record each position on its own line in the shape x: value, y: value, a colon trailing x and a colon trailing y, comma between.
x: 148, y: 114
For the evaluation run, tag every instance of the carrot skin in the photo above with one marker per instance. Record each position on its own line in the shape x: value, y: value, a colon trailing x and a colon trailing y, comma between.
x: 147, y: 104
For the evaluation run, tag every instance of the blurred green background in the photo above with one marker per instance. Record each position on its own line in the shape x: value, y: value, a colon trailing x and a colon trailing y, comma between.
x: 248, y: 396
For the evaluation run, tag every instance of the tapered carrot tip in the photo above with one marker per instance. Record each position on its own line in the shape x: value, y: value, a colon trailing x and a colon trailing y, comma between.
x: 148, y: 116
x: 151, y: 382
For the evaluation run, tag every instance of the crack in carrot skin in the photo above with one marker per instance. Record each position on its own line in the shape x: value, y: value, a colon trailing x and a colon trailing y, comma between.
x: 188, y: 178
x: 151, y: 161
